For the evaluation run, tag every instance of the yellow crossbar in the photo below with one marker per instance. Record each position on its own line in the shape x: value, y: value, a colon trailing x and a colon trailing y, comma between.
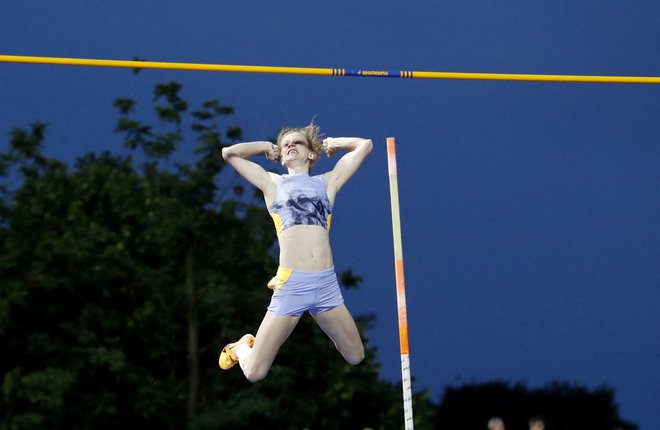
x: 137, y: 64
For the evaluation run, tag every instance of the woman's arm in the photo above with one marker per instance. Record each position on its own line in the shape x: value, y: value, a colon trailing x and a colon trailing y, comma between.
x: 237, y: 156
x: 358, y: 148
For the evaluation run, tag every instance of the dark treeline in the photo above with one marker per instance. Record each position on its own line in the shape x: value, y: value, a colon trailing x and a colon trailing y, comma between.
x: 122, y: 276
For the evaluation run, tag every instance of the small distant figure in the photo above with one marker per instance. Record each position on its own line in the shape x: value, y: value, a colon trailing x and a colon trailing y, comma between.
x: 536, y: 423
x: 496, y: 423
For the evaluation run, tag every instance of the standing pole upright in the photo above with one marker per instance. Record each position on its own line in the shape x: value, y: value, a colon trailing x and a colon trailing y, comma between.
x: 400, y: 286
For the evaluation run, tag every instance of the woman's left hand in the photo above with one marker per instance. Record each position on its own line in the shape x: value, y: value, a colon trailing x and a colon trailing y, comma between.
x: 329, y: 146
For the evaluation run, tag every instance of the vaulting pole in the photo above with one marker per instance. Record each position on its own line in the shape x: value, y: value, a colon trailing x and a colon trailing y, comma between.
x: 400, y: 286
x: 138, y: 64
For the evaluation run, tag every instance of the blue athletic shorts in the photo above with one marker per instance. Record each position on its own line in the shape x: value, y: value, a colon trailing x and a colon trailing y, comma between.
x: 295, y: 292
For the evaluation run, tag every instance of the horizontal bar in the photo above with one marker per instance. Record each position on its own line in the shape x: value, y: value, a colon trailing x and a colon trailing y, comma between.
x: 137, y: 64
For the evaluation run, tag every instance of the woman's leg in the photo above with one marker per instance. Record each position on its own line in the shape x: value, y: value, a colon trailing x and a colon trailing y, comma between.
x: 272, y: 333
x: 339, y: 325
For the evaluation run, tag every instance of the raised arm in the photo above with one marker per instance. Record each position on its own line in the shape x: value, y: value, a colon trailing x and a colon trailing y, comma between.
x: 347, y: 165
x: 237, y: 156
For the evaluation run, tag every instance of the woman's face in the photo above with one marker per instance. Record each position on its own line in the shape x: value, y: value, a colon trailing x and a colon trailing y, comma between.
x: 293, y: 146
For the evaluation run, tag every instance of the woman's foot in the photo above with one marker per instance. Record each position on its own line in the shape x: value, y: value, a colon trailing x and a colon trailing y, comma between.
x: 228, y: 357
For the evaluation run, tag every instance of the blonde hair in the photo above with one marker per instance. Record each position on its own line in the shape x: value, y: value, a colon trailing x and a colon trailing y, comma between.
x: 311, y: 133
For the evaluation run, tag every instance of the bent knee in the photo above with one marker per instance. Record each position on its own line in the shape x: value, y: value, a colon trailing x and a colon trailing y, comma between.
x: 254, y: 375
x: 355, y: 357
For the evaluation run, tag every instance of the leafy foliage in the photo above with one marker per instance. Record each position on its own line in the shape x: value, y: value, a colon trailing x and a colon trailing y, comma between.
x: 124, y: 274
x: 562, y: 406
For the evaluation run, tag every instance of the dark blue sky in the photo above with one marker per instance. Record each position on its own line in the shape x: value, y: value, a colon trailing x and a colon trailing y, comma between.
x: 530, y: 211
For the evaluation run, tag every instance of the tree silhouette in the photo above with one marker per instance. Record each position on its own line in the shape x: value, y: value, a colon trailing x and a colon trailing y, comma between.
x: 562, y: 406
x: 123, y: 275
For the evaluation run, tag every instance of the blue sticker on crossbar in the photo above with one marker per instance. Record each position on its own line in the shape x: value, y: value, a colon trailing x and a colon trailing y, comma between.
x: 377, y: 73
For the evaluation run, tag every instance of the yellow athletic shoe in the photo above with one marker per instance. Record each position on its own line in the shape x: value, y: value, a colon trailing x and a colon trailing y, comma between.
x: 228, y: 357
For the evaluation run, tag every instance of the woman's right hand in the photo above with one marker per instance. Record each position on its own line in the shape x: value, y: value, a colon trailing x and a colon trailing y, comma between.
x: 273, y: 152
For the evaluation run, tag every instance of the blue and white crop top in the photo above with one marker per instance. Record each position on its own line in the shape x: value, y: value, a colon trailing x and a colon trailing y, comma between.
x: 300, y: 200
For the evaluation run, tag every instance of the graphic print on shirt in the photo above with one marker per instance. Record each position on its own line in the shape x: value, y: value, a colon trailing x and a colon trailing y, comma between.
x: 301, y: 200
x: 303, y: 209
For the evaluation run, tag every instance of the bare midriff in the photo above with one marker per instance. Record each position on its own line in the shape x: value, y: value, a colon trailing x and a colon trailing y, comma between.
x: 305, y: 248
